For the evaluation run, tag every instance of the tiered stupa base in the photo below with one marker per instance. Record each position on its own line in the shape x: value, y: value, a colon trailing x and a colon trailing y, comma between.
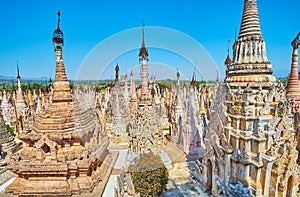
x: 66, y: 180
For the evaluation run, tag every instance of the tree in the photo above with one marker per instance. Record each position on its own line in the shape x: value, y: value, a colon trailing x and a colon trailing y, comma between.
x: 149, y: 175
x: 10, y: 130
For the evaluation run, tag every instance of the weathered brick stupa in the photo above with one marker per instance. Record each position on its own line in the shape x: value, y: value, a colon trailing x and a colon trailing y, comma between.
x: 250, y: 143
x: 7, y: 143
x: 293, y: 90
x: 66, y: 151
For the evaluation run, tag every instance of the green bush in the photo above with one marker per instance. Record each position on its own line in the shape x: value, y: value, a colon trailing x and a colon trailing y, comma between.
x: 149, y: 175
x: 128, y: 128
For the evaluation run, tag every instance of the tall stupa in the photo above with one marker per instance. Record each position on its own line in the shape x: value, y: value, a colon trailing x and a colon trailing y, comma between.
x: 250, y: 62
x: 250, y: 143
x: 143, y: 54
x: 66, y: 152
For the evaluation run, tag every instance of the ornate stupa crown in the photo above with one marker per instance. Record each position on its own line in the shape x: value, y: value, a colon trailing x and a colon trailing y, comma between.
x: 143, y: 49
x: 58, y: 36
x: 296, y: 41
x: 61, y: 90
x: 250, y: 62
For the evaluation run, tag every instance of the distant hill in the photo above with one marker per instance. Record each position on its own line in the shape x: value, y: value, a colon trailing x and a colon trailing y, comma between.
x: 7, y: 78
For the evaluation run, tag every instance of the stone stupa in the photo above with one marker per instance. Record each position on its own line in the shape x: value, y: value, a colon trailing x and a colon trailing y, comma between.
x: 66, y: 152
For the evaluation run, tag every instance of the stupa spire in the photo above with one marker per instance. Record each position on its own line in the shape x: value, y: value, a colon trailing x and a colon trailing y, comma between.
x: 58, y: 36
x: 117, y: 72
x: 178, y: 75
x: 20, y: 102
x: 250, y: 62
x: 18, y: 77
x: 133, y: 88
x: 178, y: 91
x: 193, y: 82
x: 144, y: 58
x: 61, y: 90
x: 293, y: 90
x: 250, y: 25
x: 143, y: 49
x: 228, y: 60
x: 18, y: 71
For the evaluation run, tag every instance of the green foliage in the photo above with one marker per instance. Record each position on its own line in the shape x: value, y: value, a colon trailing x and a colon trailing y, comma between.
x: 149, y: 175
x: 35, y: 86
x: 164, y: 84
x: 284, y: 80
x: 71, y: 85
x: 100, y: 87
x: 200, y: 84
x: 26, y: 85
x: 128, y: 128
x: 10, y: 130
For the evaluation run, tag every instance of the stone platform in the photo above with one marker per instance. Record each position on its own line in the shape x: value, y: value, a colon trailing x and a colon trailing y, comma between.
x: 99, y: 189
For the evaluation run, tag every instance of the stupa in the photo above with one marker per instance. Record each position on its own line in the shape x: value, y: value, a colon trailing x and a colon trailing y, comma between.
x: 7, y: 143
x: 66, y: 151
x: 250, y: 143
x: 146, y: 133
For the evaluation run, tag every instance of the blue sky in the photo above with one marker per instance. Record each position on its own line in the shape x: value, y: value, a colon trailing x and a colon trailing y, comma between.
x: 27, y: 26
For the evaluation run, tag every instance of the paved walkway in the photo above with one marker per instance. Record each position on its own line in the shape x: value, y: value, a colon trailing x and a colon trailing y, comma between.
x: 174, y: 152
x: 181, y: 183
x: 109, y: 190
x: 117, y: 169
x: 166, y: 159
